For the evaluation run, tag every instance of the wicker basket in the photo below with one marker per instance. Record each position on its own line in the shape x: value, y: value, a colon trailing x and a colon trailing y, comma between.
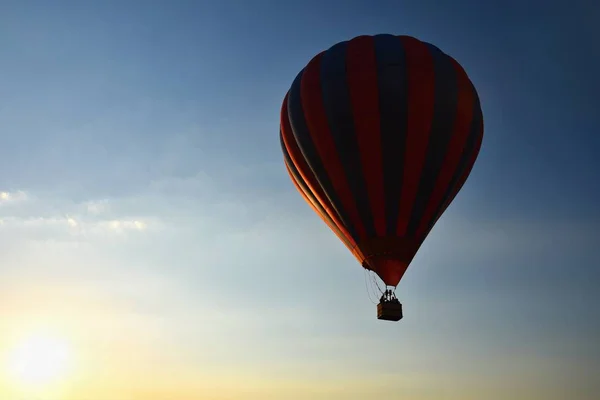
x: 389, y: 311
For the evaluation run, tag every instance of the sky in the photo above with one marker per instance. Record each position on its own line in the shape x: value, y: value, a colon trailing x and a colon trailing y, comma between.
x: 147, y: 220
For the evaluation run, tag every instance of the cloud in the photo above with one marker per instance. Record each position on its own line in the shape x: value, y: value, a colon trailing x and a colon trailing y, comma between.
x: 12, y: 197
x: 47, y: 217
x: 67, y: 228
x: 97, y: 207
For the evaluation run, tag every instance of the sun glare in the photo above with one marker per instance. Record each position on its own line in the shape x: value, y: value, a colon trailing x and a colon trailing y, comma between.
x: 40, y: 360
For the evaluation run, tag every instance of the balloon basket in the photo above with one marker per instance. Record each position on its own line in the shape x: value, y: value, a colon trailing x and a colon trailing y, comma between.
x: 389, y: 311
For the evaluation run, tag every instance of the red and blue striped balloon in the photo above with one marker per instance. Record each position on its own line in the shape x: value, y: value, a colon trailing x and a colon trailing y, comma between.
x: 379, y: 134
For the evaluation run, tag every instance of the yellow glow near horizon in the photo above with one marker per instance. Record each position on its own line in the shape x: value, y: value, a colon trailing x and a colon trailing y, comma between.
x: 39, y: 360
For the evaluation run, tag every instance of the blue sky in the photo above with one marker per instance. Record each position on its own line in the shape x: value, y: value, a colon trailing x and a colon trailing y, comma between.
x: 147, y: 215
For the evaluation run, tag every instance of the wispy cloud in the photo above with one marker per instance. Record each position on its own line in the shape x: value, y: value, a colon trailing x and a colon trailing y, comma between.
x: 12, y: 197
x: 47, y: 217
x: 97, y: 207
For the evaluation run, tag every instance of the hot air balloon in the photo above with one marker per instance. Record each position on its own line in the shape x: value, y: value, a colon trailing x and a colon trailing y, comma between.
x: 379, y: 134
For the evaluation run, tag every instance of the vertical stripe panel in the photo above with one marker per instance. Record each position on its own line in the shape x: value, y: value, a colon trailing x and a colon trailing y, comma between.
x: 301, y: 130
x: 421, y: 90
x: 340, y: 122
x: 361, y: 71
x: 442, y: 123
x: 462, y: 122
x: 392, y: 84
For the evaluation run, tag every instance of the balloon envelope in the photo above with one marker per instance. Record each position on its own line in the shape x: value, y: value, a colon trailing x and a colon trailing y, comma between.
x: 379, y: 134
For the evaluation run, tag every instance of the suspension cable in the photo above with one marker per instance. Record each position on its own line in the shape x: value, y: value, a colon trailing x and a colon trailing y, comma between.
x: 374, y: 278
x: 369, y: 288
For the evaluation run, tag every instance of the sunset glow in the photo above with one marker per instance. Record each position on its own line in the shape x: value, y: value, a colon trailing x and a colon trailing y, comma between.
x: 39, y: 360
